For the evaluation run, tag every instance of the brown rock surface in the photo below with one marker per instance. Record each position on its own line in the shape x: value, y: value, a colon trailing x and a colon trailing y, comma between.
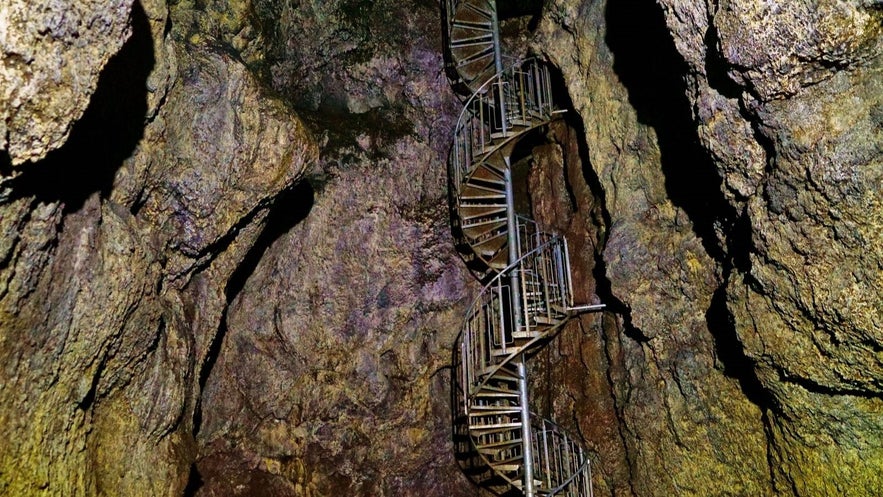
x: 332, y: 379
x: 171, y: 294
x: 51, y: 54
x: 749, y: 362
x: 117, y: 251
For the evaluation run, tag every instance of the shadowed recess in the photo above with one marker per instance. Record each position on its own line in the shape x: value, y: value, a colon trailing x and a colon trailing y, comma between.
x: 653, y: 72
x: 731, y: 353
x: 651, y: 69
x: 290, y: 207
x: 105, y: 136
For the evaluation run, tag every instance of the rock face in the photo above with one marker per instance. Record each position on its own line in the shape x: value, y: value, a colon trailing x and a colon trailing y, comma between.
x: 332, y: 376
x: 738, y: 162
x: 119, y: 245
x: 200, y: 297
x: 50, y: 57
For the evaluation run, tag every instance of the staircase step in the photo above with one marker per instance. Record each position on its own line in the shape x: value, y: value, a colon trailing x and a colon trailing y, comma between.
x: 480, y: 197
x: 476, y: 25
x: 483, y: 222
x: 495, y: 395
x: 490, y: 245
x: 502, y: 375
x: 485, y: 173
x: 492, y: 410
x: 481, y: 232
x: 476, y: 10
x: 528, y: 335
x: 493, y: 388
x: 494, y: 428
x: 490, y: 188
x: 479, y: 211
x: 476, y: 56
x: 506, y: 467
x: 499, y: 445
x: 472, y: 41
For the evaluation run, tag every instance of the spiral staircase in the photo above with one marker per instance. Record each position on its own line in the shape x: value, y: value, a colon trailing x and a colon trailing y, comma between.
x: 527, y: 295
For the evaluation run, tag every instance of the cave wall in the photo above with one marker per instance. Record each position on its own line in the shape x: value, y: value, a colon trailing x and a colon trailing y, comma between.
x: 226, y: 266
x: 736, y: 150
x: 332, y: 378
x: 128, y: 201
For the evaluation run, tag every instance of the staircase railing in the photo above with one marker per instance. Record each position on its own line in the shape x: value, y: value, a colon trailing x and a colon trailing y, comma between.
x: 525, y: 301
x: 489, y: 338
x: 527, y: 92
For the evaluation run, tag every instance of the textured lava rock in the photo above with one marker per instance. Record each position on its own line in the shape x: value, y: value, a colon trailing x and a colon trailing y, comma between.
x: 118, y: 247
x: 171, y: 291
x: 805, y: 292
x: 332, y: 377
x: 51, y: 54
x: 747, y: 269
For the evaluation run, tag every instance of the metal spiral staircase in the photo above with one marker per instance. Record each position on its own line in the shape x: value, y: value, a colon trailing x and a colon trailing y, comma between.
x: 527, y: 297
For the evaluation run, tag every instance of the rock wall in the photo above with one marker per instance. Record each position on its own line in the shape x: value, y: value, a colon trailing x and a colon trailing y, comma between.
x: 122, y: 229
x: 735, y: 151
x: 199, y: 296
x: 332, y: 377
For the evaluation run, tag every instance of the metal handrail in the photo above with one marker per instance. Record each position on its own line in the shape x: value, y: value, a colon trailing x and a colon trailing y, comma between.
x: 476, y: 351
x: 525, y: 90
x: 559, y: 460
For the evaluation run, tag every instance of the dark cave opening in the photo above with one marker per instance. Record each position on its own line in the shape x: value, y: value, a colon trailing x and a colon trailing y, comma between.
x: 107, y: 134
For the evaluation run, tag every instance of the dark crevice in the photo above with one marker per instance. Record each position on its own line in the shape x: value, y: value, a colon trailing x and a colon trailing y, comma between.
x: 106, y: 134
x: 5, y: 164
x: 289, y: 208
x: 194, y: 482
x: 731, y: 353
x: 653, y: 72
x: 86, y: 402
x: 609, y: 322
x: 814, y: 387
x: 716, y: 66
x: 739, y: 245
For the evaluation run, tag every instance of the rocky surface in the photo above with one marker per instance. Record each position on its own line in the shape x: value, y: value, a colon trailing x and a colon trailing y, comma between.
x: 51, y: 55
x: 119, y: 245
x: 748, y: 356
x: 332, y: 376
x: 199, y: 296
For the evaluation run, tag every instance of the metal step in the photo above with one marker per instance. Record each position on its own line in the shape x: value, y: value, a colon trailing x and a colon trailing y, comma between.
x: 480, y: 211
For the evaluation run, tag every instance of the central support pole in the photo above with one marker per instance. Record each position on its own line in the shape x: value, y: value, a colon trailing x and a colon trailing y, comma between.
x: 517, y: 322
x: 527, y: 440
x: 514, y: 278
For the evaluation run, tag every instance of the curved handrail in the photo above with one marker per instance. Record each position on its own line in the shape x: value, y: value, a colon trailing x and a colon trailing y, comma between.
x: 474, y: 310
x: 545, y: 461
x: 528, y: 99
